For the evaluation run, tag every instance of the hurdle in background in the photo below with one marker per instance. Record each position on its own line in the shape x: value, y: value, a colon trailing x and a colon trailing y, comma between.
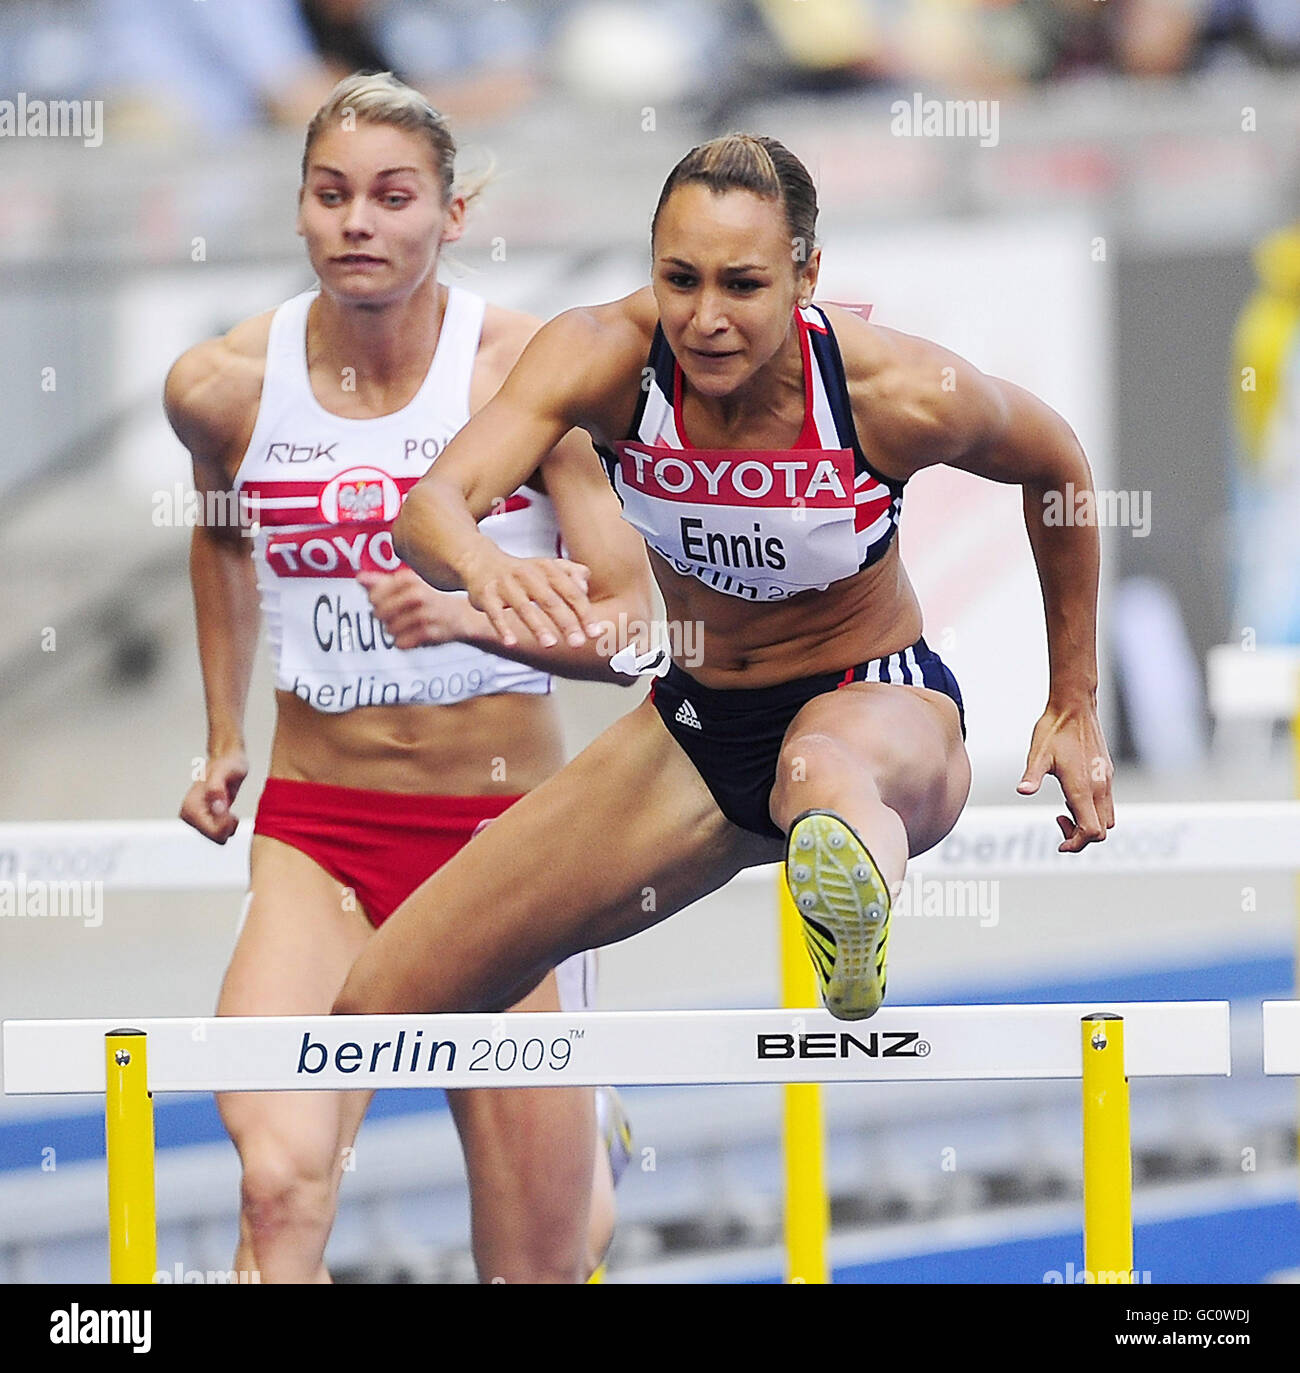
x: 1282, y: 1038
x: 988, y: 841
x: 1259, y: 686
x: 898, y: 1044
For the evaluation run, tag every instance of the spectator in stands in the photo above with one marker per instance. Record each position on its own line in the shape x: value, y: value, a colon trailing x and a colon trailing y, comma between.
x: 221, y: 68
x: 210, y: 68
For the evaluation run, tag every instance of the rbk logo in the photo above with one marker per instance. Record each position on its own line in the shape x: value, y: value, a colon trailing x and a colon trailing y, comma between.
x: 300, y: 452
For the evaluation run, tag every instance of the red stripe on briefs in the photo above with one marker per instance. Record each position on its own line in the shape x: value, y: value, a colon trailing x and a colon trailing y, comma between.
x: 382, y: 844
x: 846, y: 679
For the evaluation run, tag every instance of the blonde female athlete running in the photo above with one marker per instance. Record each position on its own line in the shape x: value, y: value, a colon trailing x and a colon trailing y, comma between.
x: 397, y: 735
x: 763, y: 458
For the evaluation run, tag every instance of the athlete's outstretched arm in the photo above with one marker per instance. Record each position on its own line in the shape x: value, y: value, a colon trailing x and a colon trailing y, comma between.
x: 558, y: 383
x: 955, y: 414
x: 224, y: 583
x: 615, y: 569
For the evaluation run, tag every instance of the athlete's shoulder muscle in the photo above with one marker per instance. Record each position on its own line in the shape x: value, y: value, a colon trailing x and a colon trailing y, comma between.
x: 505, y: 335
x: 915, y: 403
x: 585, y: 365
x: 212, y: 392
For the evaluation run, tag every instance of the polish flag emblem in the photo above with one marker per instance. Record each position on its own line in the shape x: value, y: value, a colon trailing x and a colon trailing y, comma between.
x: 361, y: 493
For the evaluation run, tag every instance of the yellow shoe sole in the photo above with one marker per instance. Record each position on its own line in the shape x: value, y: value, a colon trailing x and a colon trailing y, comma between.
x: 843, y: 903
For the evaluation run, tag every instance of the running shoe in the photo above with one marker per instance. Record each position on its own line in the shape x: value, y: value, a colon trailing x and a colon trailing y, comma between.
x: 614, y: 1132
x: 614, y: 1128
x: 843, y: 903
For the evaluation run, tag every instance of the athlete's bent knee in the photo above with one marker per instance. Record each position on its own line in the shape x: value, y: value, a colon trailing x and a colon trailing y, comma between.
x: 806, y: 764
x: 538, y: 1268
x: 279, y: 1194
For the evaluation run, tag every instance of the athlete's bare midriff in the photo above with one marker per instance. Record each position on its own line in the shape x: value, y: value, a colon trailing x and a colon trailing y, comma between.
x: 741, y: 644
x: 488, y: 745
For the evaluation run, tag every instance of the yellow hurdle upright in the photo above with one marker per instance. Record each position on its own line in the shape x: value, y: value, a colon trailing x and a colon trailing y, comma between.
x: 132, y: 1231
x: 807, y: 1208
x: 1107, y: 1153
x: 1295, y: 880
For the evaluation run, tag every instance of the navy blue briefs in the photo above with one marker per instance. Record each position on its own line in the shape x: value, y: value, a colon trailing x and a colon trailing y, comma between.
x: 734, y: 737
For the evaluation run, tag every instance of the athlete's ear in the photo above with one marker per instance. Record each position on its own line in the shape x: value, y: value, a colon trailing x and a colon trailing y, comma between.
x: 297, y: 227
x: 808, y: 276
x: 453, y: 224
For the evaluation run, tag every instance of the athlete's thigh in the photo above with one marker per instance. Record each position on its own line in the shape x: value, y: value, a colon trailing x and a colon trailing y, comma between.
x: 530, y: 1161
x: 507, y: 1125
x: 472, y: 1105
x: 301, y: 934
x: 620, y: 838
x: 909, y: 738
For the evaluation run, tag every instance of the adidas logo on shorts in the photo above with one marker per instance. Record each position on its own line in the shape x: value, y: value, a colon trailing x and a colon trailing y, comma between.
x: 686, y: 716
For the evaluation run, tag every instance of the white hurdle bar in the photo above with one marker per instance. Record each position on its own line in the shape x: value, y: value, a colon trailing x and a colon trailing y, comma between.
x: 1263, y: 836
x: 626, y: 1048
x: 1104, y: 1046
x: 1282, y: 1038
x: 1262, y: 683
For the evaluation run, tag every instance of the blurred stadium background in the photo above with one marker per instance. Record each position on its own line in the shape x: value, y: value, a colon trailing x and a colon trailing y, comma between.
x: 1097, y: 250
